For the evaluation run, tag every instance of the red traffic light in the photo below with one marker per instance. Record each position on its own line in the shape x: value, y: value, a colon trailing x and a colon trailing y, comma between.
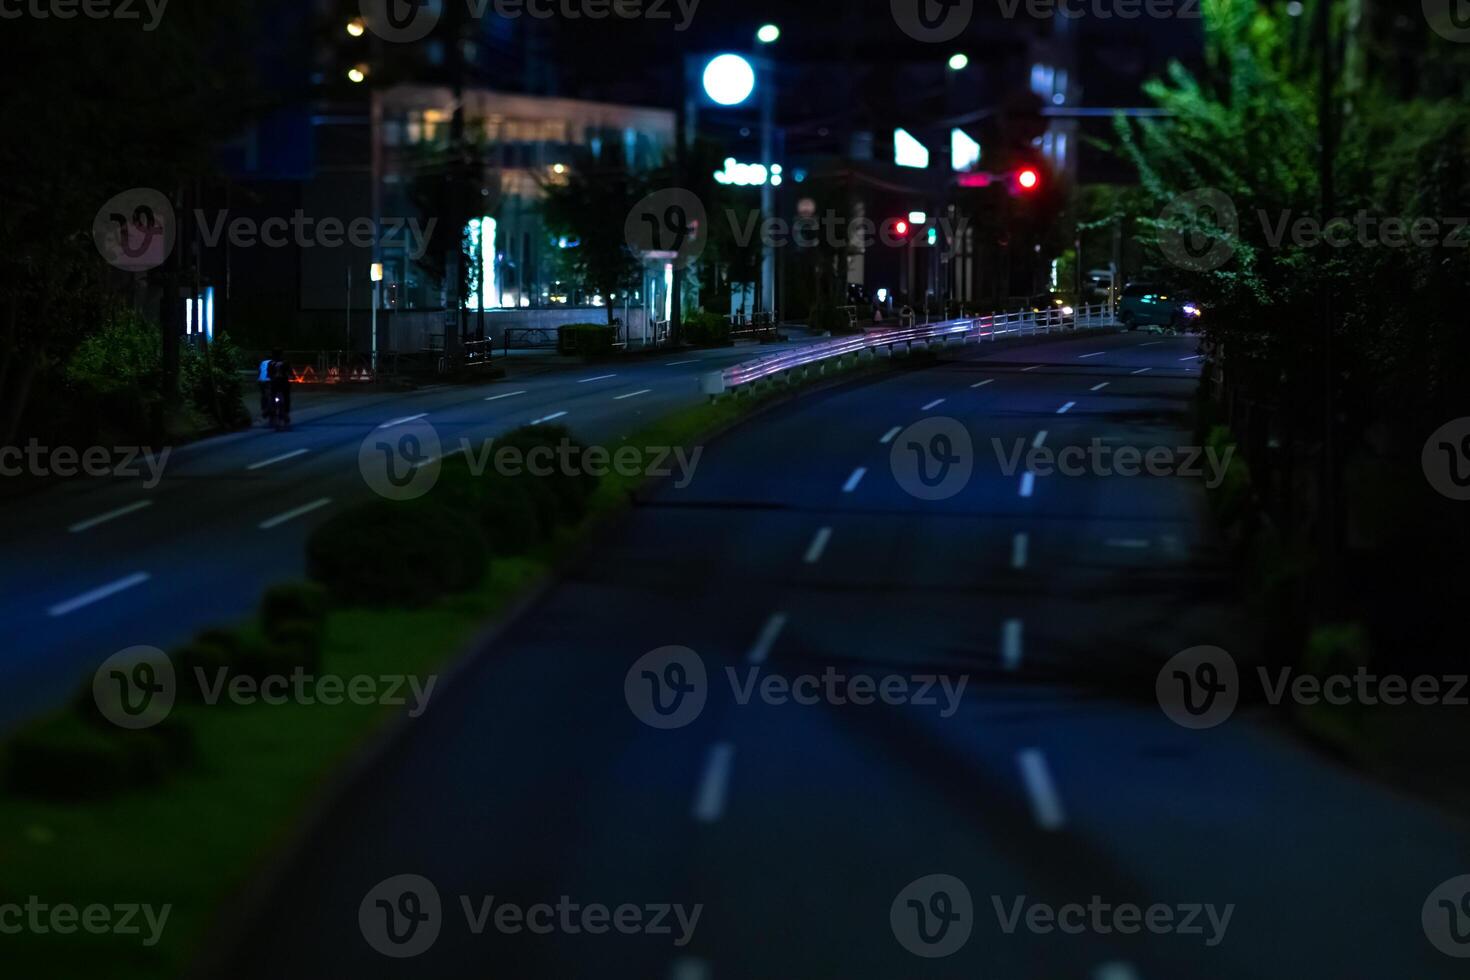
x: 901, y: 226
x: 1028, y: 179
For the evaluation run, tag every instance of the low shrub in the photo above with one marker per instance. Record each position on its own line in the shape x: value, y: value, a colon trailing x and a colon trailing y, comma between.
x: 833, y: 319
x: 705, y: 329
x: 457, y: 489
x: 568, y: 479
x: 517, y: 513
x: 291, y: 645
x: 404, y: 554
x: 290, y: 604
x: 197, y: 663
x: 68, y: 757
x: 586, y: 339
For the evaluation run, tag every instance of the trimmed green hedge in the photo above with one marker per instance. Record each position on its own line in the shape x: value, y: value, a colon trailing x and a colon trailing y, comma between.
x: 705, y: 329
x: 402, y: 554
x: 568, y: 482
x: 586, y: 339
x: 68, y: 756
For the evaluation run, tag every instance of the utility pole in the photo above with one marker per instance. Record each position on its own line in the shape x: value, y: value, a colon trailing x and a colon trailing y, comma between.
x: 683, y: 125
x: 1327, y: 138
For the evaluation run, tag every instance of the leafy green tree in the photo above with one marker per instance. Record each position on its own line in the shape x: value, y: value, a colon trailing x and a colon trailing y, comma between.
x: 589, y: 206
x: 96, y: 107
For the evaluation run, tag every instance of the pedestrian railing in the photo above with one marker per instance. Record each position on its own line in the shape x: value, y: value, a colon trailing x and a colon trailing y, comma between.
x: 991, y: 327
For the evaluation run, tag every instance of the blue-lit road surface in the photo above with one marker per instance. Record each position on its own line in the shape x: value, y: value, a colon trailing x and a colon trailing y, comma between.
x: 1054, y: 777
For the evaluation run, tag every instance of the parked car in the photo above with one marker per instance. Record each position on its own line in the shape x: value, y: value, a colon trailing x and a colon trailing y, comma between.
x: 1145, y: 304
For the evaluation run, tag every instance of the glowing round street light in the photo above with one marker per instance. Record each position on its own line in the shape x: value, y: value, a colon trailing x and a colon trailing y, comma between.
x: 768, y: 34
x: 729, y: 79
x: 358, y: 74
x: 356, y: 27
x: 959, y: 62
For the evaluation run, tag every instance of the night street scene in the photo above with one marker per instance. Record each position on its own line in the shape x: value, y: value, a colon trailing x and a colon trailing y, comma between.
x: 735, y: 489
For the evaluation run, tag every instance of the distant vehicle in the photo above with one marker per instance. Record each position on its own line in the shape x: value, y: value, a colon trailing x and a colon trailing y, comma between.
x: 1146, y: 304
x: 1048, y: 301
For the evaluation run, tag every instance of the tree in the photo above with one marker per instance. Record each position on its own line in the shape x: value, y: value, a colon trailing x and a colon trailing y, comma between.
x: 103, y: 106
x: 588, y: 205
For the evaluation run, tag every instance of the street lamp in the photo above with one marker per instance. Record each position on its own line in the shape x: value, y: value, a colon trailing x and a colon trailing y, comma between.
x: 375, y: 273
x: 959, y: 62
x: 729, y: 79
x: 768, y: 34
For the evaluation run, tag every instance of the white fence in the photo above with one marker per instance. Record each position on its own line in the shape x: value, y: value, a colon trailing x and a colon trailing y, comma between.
x: 971, y: 330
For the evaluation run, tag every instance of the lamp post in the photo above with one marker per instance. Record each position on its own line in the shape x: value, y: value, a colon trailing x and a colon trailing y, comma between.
x: 376, y: 274
x: 729, y: 80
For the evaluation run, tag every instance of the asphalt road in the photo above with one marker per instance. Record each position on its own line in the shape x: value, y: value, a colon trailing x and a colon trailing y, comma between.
x: 95, y: 566
x: 1053, y: 777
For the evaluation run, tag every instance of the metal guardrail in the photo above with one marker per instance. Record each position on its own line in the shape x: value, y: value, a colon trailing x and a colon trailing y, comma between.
x: 993, y: 326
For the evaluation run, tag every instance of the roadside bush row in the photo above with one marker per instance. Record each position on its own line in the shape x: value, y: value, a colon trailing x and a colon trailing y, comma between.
x: 77, y: 753
x: 373, y: 554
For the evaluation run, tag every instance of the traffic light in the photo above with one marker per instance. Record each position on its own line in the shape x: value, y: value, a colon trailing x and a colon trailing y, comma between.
x: 901, y: 227
x: 1027, y: 180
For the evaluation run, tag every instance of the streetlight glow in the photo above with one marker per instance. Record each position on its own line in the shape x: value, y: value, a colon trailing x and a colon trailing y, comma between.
x: 959, y: 62
x: 356, y: 27
x: 357, y: 74
x: 769, y: 34
x: 729, y: 79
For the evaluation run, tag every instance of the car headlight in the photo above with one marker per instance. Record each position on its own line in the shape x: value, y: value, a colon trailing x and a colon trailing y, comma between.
x: 1191, y: 310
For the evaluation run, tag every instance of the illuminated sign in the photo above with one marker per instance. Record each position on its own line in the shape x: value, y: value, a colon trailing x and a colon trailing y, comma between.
x: 749, y: 174
x: 908, y: 151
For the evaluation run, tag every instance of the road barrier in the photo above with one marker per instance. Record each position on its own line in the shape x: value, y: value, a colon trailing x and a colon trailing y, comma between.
x: 1023, y: 323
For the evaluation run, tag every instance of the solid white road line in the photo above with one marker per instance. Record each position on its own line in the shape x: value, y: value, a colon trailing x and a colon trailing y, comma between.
x: 818, y: 545
x: 631, y: 394
x: 508, y: 394
x: 1010, y: 643
x: 291, y: 515
x: 111, y: 515
x: 403, y: 421
x: 1083, y: 357
x: 550, y: 418
x: 714, y: 785
x: 1192, y: 357
x: 1028, y: 483
x: 1040, y: 440
x: 1151, y: 343
x: 1033, y: 367
x: 430, y: 461
x: 890, y: 435
x: 767, y: 639
x: 1133, y: 544
x: 1066, y: 408
x: 600, y: 377
x: 680, y: 363
x: 855, y: 479
x: 932, y: 405
x: 1100, y: 387
x: 1143, y: 370
x: 1045, y: 804
x: 982, y: 384
x: 1115, y: 971
x: 277, y: 459
x: 97, y: 595
x: 1020, y: 550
